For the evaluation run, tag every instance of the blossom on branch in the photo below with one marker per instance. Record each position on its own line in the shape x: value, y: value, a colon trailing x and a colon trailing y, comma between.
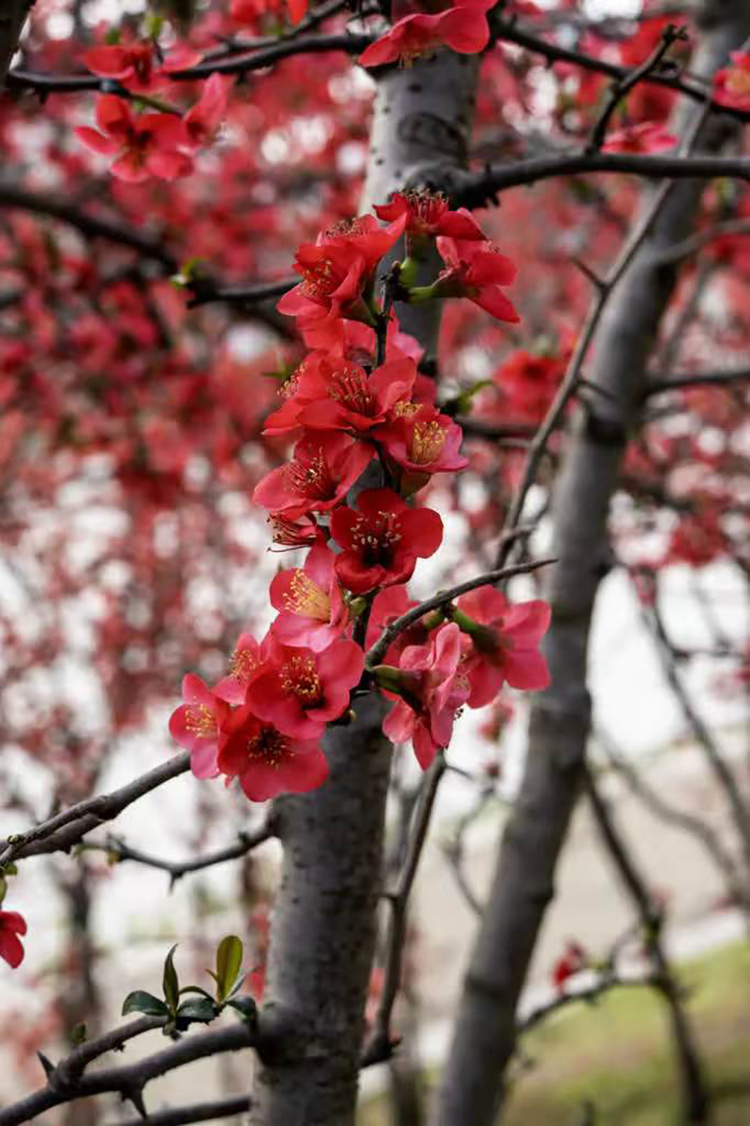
x: 732, y: 84
x: 311, y: 607
x: 504, y: 643
x: 11, y: 925
x: 464, y: 29
x: 144, y: 145
x: 266, y: 761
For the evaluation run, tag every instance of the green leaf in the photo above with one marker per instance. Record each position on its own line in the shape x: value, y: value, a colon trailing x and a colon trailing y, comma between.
x: 78, y: 1034
x: 10, y: 869
x: 202, y: 1009
x: 171, y: 984
x: 142, y: 1002
x: 196, y: 989
x: 228, y: 964
x: 246, y: 1007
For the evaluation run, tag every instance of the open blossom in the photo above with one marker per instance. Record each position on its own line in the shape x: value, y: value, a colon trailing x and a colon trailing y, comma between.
x: 312, y: 611
x: 318, y: 477
x: 427, y: 216
x: 434, y: 687
x: 732, y: 84
x: 266, y: 761
x: 289, y: 534
x: 300, y: 691
x: 135, y: 66
x: 11, y: 925
x: 422, y: 441
x: 463, y: 29
x: 244, y: 664
x: 387, y: 605
x: 645, y: 137
x: 477, y: 271
x: 144, y: 145
x: 336, y: 273
x: 382, y: 540
x: 504, y: 643
x: 196, y: 725
x: 203, y: 120
x: 330, y: 394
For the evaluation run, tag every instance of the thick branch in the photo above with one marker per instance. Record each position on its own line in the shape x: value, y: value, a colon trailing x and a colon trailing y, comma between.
x: 198, y: 1112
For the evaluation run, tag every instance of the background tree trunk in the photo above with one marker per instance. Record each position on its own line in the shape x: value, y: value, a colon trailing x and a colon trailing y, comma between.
x: 323, y: 927
x: 522, y: 885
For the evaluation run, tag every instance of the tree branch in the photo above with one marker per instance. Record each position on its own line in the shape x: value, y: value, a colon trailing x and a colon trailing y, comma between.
x: 391, y: 632
x: 198, y: 1112
x: 698, y: 379
x: 61, y: 832
x: 129, y: 1081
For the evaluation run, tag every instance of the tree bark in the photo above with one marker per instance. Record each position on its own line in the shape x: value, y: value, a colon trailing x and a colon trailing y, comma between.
x: 323, y: 929
x: 523, y: 882
x: 13, y: 15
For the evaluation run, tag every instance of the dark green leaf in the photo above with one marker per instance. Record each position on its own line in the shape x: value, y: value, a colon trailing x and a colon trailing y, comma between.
x: 78, y: 1034
x: 228, y: 964
x: 202, y: 1009
x: 142, y: 1002
x: 171, y: 984
x: 246, y: 1007
x: 196, y: 989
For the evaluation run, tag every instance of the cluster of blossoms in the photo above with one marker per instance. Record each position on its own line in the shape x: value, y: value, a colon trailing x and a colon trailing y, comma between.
x: 347, y: 411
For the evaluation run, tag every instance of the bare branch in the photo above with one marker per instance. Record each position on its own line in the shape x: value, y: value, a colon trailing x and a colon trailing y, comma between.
x: 697, y: 379
x: 696, y: 242
x: 198, y: 1112
x: 120, y: 851
x: 380, y: 1044
x: 61, y: 832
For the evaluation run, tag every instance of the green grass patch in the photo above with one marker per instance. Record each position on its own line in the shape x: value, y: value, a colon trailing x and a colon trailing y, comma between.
x: 617, y: 1056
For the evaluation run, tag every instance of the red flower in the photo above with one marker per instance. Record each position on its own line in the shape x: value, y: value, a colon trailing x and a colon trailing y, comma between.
x: 645, y: 137
x: 433, y: 688
x: 300, y: 691
x: 422, y: 441
x: 464, y: 29
x: 289, y: 534
x: 322, y: 471
x: 145, y: 145
x: 504, y: 641
x: 331, y: 394
x: 337, y: 270
x: 571, y: 962
x: 11, y: 925
x: 529, y: 383
x: 476, y: 271
x: 427, y: 216
x: 196, y: 724
x: 388, y: 605
x: 132, y: 65
x: 266, y: 761
x: 247, y: 11
x: 246, y: 661
x: 202, y: 121
x: 732, y: 84
x: 383, y: 540
x: 311, y: 608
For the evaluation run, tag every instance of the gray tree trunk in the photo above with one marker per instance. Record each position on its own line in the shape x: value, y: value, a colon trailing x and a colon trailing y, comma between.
x: 523, y: 883
x: 323, y: 928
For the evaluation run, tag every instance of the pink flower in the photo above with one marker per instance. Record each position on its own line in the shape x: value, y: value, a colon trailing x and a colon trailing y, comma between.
x: 732, y: 84
x: 299, y: 691
x: 11, y: 925
x: 387, y: 605
x: 463, y: 29
x: 317, y: 478
x: 245, y: 663
x: 196, y: 724
x: 266, y: 761
x: 311, y: 608
x: 645, y: 137
x: 422, y: 441
x: 477, y: 271
x: 382, y: 540
x: 433, y: 687
x: 203, y: 120
x: 145, y: 145
x: 247, y: 11
x: 504, y: 643
x: 132, y: 65
x: 529, y: 383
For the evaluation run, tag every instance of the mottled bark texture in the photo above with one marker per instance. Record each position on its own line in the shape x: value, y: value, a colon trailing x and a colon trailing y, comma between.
x: 13, y: 15
x: 323, y: 928
x: 523, y: 882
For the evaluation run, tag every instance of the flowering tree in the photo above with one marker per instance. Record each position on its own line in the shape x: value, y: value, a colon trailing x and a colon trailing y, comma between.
x: 431, y: 357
